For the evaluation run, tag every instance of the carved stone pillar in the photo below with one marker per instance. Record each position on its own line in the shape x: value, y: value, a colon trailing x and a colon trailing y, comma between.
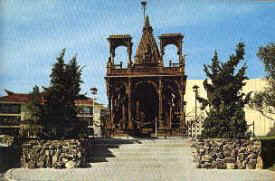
x: 109, y: 125
x: 181, y: 58
x: 129, y: 50
x: 112, y: 111
x: 113, y: 57
x: 182, y: 111
x: 170, y: 117
x: 137, y: 111
x: 160, y: 104
x: 123, y: 120
x: 161, y: 54
x: 109, y: 95
x: 129, y: 93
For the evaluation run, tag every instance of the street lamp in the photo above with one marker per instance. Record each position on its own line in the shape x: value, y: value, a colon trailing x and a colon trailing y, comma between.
x: 94, y: 92
x: 195, y: 90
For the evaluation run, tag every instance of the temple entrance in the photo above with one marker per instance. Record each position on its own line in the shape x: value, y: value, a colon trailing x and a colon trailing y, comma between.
x: 146, y: 108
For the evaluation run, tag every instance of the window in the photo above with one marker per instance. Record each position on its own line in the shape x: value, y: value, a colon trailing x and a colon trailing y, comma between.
x: 10, y: 108
x: 84, y: 109
x: 9, y: 120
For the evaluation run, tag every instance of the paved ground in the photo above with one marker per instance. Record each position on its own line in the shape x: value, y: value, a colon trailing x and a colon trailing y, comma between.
x: 149, y: 160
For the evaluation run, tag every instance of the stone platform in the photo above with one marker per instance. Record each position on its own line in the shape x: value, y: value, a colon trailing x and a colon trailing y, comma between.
x: 120, y: 159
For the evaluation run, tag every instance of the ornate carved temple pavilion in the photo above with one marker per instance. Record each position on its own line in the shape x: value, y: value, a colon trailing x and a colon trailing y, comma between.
x: 146, y: 97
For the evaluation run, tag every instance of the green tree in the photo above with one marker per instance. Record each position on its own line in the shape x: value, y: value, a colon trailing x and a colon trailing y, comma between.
x: 225, y: 117
x: 60, y: 110
x: 33, y: 108
x: 264, y: 101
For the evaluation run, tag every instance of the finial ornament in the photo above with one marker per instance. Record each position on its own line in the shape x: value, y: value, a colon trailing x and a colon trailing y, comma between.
x: 144, y: 3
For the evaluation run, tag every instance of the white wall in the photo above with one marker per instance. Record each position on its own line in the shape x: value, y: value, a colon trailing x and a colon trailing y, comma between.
x: 262, y: 124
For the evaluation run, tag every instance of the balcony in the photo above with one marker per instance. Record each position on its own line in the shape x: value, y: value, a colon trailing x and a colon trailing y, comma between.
x: 9, y: 121
x: 145, y: 71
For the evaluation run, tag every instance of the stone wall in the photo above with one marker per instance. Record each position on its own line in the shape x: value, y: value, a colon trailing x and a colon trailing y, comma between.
x: 227, y: 153
x: 54, y: 153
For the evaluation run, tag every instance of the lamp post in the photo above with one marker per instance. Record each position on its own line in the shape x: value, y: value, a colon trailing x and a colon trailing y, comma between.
x: 94, y: 92
x: 195, y: 90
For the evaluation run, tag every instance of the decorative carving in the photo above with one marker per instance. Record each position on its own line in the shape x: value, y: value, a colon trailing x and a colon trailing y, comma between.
x: 146, y: 94
x: 174, y: 39
x: 147, y: 51
x: 120, y: 40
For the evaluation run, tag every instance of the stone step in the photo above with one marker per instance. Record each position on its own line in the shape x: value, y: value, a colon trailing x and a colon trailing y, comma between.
x: 142, y: 154
x: 131, y: 159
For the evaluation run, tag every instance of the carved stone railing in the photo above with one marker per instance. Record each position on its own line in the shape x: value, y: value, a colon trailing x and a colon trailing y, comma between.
x: 144, y: 70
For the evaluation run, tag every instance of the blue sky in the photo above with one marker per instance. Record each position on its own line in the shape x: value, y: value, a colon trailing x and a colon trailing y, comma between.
x: 33, y: 33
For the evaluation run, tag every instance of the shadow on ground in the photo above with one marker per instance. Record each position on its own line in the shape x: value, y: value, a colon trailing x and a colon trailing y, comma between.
x: 9, y: 158
x: 100, y: 149
x: 268, y: 152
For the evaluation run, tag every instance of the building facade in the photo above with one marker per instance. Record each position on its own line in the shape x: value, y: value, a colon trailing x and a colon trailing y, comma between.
x: 13, y: 111
x: 258, y: 123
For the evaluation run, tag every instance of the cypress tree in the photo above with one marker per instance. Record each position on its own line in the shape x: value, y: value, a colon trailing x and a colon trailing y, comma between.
x: 225, y: 117
x: 59, y: 110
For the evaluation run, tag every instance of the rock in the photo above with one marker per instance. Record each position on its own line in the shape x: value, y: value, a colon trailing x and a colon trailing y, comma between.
x: 65, y: 160
x: 239, y: 164
x: 79, y: 154
x: 249, y: 148
x: 252, y: 156
x: 198, y: 165
x: 213, y: 155
x: 219, y: 155
x: 70, y: 164
x: 196, y: 158
x: 229, y: 160
x: 206, y: 165
x: 201, y: 150
x: 242, y: 150
x: 54, y: 158
x: 31, y: 164
x: 260, y: 163
x: 206, y: 158
x: 230, y: 165
x: 257, y: 149
x: 214, y: 164
x: 40, y: 164
x: 59, y: 164
x: 220, y: 165
x: 241, y: 156
x: 233, y: 153
x: 227, y: 153
x: 47, y: 152
x: 251, y: 164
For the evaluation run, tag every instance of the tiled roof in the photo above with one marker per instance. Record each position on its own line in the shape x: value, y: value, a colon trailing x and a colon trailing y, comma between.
x: 84, y: 101
x: 24, y: 98
x: 16, y: 98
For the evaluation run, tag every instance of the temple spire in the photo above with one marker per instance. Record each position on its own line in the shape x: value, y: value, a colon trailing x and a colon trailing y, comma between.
x: 147, y: 22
